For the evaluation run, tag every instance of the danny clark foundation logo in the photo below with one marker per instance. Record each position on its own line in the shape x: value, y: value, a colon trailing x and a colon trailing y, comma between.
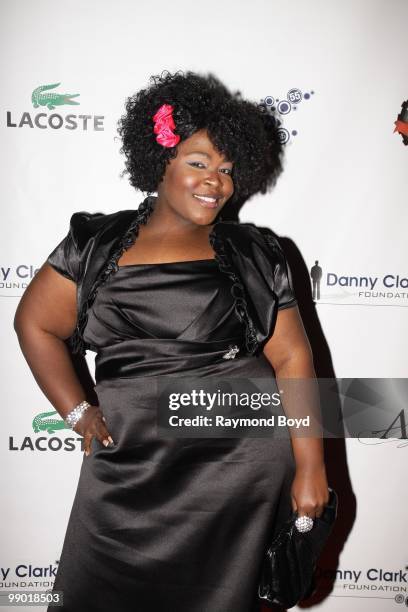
x: 348, y: 287
x: 46, y: 96
x: 47, y: 428
x: 371, y: 583
x: 16, y: 279
x: 28, y: 575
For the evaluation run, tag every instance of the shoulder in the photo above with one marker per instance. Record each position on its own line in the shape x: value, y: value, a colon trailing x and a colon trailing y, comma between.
x: 244, y: 236
x: 244, y: 229
x: 85, y: 225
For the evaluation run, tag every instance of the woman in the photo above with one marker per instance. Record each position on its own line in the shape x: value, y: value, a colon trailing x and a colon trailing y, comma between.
x: 173, y: 289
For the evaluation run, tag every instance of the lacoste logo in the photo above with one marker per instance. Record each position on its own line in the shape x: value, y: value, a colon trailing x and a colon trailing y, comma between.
x: 48, y: 421
x: 53, y: 99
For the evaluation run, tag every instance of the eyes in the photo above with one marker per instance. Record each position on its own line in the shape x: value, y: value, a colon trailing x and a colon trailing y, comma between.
x: 227, y: 171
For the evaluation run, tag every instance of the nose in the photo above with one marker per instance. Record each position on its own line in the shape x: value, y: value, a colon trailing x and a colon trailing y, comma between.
x: 213, y: 178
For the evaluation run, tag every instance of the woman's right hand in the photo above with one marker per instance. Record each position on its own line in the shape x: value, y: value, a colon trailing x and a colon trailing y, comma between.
x: 92, y: 424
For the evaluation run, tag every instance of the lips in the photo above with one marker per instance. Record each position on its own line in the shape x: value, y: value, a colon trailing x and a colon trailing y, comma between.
x: 207, y: 200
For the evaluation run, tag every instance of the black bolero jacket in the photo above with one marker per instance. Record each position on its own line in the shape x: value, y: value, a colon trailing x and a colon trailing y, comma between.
x: 251, y: 257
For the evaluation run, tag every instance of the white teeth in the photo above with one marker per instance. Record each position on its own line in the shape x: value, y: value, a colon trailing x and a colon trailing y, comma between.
x: 206, y: 199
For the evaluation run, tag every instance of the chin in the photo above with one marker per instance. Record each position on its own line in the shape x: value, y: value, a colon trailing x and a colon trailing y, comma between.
x: 204, y: 217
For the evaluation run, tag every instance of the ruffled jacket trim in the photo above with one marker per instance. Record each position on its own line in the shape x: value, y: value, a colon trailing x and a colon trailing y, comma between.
x: 145, y: 209
x: 237, y: 290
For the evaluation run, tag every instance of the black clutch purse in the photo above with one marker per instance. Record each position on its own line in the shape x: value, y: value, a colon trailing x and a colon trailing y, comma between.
x: 287, y: 574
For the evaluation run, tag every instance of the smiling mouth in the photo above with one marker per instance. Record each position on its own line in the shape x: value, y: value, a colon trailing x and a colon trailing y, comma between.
x: 207, y: 201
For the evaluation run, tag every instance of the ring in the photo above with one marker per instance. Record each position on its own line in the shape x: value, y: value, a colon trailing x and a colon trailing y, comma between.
x: 304, y: 523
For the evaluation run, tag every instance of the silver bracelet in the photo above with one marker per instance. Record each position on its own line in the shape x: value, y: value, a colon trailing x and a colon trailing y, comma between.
x: 73, y: 417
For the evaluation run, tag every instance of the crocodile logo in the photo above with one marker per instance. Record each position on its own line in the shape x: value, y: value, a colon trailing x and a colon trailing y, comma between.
x: 53, y: 99
x: 42, y: 422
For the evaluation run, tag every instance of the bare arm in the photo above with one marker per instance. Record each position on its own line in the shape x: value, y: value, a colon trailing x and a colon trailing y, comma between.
x: 290, y: 354
x: 45, y: 318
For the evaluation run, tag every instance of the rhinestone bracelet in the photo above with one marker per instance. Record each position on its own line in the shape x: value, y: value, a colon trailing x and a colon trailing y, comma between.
x: 73, y: 417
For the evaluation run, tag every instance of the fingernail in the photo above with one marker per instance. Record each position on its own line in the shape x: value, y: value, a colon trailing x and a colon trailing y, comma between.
x: 106, y: 442
x: 110, y: 440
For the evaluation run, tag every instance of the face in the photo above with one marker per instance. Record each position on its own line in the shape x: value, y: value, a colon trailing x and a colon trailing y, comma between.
x: 198, y: 182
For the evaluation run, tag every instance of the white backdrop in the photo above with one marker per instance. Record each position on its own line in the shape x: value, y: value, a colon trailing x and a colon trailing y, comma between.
x: 341, y: 200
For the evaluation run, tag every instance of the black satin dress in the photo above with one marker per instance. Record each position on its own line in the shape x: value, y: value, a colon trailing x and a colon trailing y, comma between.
x: 169, y: 524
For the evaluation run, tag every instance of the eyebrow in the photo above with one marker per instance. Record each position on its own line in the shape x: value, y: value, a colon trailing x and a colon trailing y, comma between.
x: 206, y: 155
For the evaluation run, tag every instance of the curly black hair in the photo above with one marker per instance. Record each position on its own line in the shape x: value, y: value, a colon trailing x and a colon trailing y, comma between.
x: 243, y: 131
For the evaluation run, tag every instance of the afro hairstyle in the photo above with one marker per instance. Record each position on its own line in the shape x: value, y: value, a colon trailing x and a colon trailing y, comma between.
x: 244, y: 132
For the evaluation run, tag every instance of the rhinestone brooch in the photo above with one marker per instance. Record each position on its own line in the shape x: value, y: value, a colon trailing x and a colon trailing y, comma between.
x: 231, y: 353
x: 304, y: 524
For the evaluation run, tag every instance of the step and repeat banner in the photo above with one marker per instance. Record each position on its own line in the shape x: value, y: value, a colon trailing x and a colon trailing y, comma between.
x: 335, y: 74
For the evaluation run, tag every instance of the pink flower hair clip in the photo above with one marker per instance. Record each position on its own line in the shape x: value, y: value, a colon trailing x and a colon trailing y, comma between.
x: 164, y: 126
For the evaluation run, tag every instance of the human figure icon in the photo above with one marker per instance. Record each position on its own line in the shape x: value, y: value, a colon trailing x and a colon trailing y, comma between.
x: 316, y: 274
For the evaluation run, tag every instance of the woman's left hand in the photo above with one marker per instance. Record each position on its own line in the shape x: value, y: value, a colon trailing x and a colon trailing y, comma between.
x: 310, y: 491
